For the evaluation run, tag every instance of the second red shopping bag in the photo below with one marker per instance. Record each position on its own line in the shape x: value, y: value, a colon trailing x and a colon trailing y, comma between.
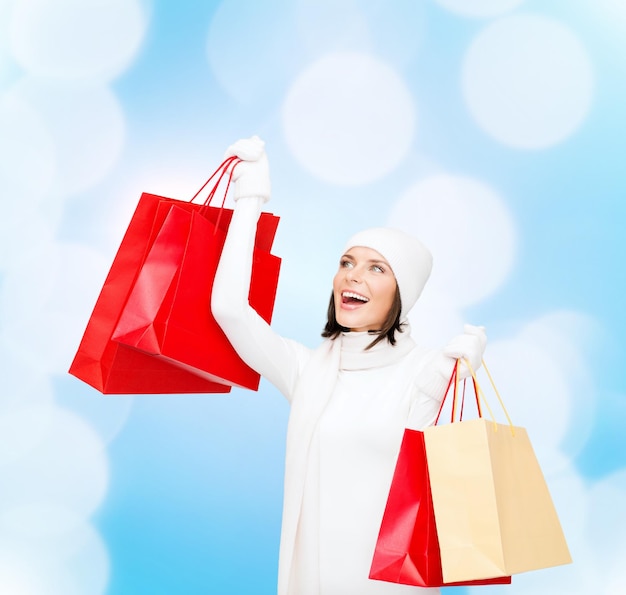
x: 168, y: 310
x: 407, y: 550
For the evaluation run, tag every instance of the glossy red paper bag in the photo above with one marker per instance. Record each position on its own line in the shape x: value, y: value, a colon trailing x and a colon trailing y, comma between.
x: 168, y: 310
x: 113, y: 368
x: 407, y: 550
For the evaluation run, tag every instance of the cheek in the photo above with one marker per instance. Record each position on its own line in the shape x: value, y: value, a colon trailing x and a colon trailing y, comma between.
x: 389, y: 292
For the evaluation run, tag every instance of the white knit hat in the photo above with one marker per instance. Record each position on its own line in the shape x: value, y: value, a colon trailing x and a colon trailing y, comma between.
x: 410, y: 261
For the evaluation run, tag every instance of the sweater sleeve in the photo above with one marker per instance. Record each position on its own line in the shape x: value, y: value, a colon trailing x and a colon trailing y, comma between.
x: 274, y: 357
x: 430, y: 384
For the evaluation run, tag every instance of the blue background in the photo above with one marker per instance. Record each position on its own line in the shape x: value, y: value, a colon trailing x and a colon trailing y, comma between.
x: 102, y: 101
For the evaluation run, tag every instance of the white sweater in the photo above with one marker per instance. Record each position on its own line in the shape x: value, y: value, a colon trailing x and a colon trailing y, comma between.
x: 331, y: 521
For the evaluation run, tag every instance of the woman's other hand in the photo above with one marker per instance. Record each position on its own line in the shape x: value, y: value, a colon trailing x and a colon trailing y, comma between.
x: 470, y: 346
x: 251, y: 175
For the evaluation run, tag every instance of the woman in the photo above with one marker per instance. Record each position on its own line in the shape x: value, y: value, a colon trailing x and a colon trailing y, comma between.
x: 351, y: 398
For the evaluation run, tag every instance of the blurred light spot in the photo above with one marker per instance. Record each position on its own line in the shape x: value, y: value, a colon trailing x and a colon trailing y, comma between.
x: 85, y: 123
x: 244, y: 63
x: 77, y: 38
x: 468, y: 229
x: 393, y: 30
x: 543, y: 376
x: 23, y: 231
x: 480, y: 8
x: 436, y: 318
x: 535, y: 393
x: 45, y: 301
x: 107, y: 416
x: 17, y: 576
x: 349, y: 119
x: 527, y: 81
x: 27, y: 171
x: 75, y: 562
x: 22, y: 430
x: 68, y: 469
x: 616, y: 575
x: 21, y: 385
x: 570, y: 337
x: 7, y: 66
x: 606, y: 518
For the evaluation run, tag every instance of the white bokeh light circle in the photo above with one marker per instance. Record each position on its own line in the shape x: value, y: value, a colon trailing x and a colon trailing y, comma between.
x: 45, y: 302
x: 86, y: 124
x: 26, y: 405
x: 527, y: 81
x: 77, y: 38
x: 18, y: 574
x: 70, y: 563
x: 243, y: 68
x: 349, y: 119
x: 394, y: 31
x: 21, y: 385
x: 106, y: 416
x: 535, y: 391
x: 480, y: 8
x: 22, y: 430
x: 68, y: 469
x: 468, y: 229
x: 569, y: 337
x: 27, y: 171
x: 606, y: 513
x: 435, y: 318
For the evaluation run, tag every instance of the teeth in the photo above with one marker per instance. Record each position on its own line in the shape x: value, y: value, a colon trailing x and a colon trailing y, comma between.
x: 356, y: 296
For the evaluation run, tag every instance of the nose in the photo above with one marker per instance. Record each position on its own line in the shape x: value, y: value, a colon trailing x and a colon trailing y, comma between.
x: 353, y: 275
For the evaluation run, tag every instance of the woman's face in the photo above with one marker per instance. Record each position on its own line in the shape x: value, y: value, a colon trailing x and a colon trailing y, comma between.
x: 364, y: 289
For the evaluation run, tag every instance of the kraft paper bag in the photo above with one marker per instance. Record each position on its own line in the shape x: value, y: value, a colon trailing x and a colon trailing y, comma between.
x: 407, y: 549
x: 493, y: 511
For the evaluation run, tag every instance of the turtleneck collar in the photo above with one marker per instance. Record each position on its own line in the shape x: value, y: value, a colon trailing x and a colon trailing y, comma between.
x: 354, y: 355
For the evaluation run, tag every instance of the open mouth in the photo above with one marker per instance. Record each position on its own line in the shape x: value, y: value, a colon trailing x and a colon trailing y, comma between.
x: 349, y: 297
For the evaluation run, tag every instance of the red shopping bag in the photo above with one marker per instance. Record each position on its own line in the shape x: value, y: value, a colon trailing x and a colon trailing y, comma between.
x: 168, y: 310
x: 114, y: 368
x: 407, y: 549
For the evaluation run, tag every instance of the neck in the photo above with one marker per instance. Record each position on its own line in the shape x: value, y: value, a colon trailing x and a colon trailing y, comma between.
x: 355, y: 354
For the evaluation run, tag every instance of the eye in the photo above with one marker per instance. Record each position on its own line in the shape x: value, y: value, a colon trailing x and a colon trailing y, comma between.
x: 377, y: 268
x: 345, y: 263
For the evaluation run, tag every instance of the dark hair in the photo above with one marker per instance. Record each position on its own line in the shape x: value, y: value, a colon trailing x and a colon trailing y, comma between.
x: 388, y: 330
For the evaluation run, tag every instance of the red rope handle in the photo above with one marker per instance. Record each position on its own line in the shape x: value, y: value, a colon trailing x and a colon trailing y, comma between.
x: 454, y: 378
x: 445, y: 394
x: 223, y: 167
x: 221, y: 171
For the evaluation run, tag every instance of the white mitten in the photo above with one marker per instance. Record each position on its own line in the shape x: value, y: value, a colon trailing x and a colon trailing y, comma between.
x: 470, y: 346
x: 251, y: 176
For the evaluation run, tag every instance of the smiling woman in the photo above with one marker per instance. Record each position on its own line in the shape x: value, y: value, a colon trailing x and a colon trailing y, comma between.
x: 364, y: 289
x: 351, y: 398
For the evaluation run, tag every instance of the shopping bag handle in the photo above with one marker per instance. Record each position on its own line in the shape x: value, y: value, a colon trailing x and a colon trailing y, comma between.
x: 478, y: 391
x: 453, y: 382
x: 221, y: 171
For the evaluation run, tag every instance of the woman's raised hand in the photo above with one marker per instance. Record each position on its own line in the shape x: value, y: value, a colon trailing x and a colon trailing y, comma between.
x: 251, y: 176
x: 470, y: 346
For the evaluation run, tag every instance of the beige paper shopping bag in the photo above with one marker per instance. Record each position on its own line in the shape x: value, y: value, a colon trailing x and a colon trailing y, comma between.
x: 493, y: 511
